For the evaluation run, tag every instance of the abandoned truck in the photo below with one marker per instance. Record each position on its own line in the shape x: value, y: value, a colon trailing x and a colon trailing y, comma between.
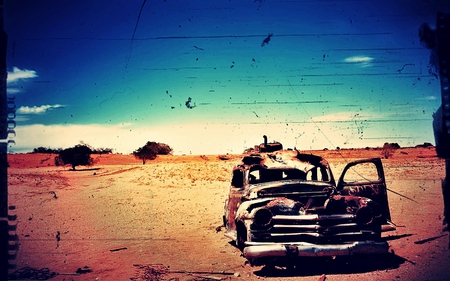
x: 284, y: 205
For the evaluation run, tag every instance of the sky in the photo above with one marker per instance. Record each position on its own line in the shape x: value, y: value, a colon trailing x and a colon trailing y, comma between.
x: 213, y: 77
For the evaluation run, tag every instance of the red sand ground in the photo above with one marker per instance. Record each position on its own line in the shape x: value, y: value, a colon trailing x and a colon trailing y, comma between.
x: 121, y: 220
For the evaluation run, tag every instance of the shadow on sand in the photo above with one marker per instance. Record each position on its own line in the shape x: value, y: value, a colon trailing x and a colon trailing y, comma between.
x: 83, y: 170
x: 338, y: 265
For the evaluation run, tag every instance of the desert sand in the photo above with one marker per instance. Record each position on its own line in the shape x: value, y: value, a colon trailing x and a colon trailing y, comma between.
x: 121, y: 220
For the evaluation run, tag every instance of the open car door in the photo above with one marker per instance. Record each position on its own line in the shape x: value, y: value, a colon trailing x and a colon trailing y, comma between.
x: 365, y: 178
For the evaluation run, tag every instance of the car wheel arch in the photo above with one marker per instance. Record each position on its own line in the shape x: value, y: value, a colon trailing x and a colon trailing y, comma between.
x: 241, y: 234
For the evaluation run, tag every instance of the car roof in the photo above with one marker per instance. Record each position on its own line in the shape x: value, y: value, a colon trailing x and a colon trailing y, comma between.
x: 284, y: 159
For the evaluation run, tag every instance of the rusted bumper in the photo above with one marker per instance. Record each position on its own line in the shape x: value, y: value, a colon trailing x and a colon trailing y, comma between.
x: 264, y: 250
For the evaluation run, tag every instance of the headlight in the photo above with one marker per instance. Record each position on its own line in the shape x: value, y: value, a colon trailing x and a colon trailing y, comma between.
x: 263, y: 217
x: 364, y: 215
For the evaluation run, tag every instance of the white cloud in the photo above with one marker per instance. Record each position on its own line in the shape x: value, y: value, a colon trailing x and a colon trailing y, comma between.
x: 37, y: 109
x: 18, y: 74
x: 363, y: 61
x: 12, y: 90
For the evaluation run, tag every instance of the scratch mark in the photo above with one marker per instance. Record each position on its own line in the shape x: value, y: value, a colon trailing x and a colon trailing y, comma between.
x: 260, y: 3
x: 134, y: 33
x: 113, y: 96
x: 188, y: 103
x: 266, y: 41
x: 403, y: 67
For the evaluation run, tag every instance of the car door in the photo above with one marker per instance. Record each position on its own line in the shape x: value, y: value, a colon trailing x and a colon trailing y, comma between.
x: 365, y: 178
x: 233, y: 201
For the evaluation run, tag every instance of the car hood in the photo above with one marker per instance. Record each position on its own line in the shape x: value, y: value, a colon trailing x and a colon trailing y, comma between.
x: 287, y: 188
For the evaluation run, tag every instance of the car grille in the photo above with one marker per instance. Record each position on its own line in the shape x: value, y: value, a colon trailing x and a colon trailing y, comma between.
x: 314, y: 229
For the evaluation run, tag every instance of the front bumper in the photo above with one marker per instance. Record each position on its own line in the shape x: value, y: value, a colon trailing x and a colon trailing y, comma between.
x: 255, y: 250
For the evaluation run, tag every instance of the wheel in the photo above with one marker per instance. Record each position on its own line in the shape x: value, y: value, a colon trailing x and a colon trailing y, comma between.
x: 241, y: 235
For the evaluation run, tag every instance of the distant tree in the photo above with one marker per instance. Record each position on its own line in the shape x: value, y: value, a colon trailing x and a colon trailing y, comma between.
x: 150, y: 151
x: 164, y: 149
x: 388, y: 149
x: 40, y: 149
x: 102, y: 150
x: 46, y: 150
x: 147, y: 152
x: 75, y: 156
x: 395, y: 145
x: 425, y: 145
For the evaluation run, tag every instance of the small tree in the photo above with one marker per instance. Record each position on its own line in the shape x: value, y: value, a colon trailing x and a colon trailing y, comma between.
x: 102, y: 150
x: 164, y: 149
x: 388, y: 149
x: 150, y: 150
x: 78, y: 155
x: 49, y: 150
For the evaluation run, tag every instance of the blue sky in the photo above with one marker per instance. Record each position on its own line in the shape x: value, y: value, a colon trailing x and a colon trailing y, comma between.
x: 198, y: 76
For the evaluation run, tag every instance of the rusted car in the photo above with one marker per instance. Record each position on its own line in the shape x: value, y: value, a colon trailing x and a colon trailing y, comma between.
x: 284, y: 204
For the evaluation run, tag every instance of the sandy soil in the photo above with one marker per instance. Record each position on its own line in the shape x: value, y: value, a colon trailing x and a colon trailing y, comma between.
x: 121, y: 220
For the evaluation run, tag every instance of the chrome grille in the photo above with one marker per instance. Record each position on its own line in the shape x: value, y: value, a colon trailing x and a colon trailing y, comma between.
x: 314, y: 228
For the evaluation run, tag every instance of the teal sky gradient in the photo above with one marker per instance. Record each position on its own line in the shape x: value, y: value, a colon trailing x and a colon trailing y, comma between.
x: 195, y: 74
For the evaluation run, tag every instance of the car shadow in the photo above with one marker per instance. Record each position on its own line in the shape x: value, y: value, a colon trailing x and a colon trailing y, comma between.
x: 338, y: 265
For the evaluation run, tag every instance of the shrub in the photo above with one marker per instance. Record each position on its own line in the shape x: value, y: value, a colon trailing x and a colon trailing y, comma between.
x: 150, y: 150
x: 395, y: 145
x: 223, y: 157
x: 49, y: 150
x: 102, y: 151
x: 388, y: 149
x: 75, y: 156
x: 425, y: 145
x: 163, y: 149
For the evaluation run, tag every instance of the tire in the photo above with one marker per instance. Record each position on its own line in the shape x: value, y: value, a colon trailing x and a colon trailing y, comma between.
x: 241, y: 235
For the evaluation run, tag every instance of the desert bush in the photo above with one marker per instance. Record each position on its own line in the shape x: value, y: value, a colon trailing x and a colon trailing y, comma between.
x: 164, y: 149
x: 102, y: 150
x: 425, y: 145
x: 223, y: 157
x: 150, y: 150
x: 388, y: 149
x: 48, y: 150
x: 395, y: 145
x: 75, y: 156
